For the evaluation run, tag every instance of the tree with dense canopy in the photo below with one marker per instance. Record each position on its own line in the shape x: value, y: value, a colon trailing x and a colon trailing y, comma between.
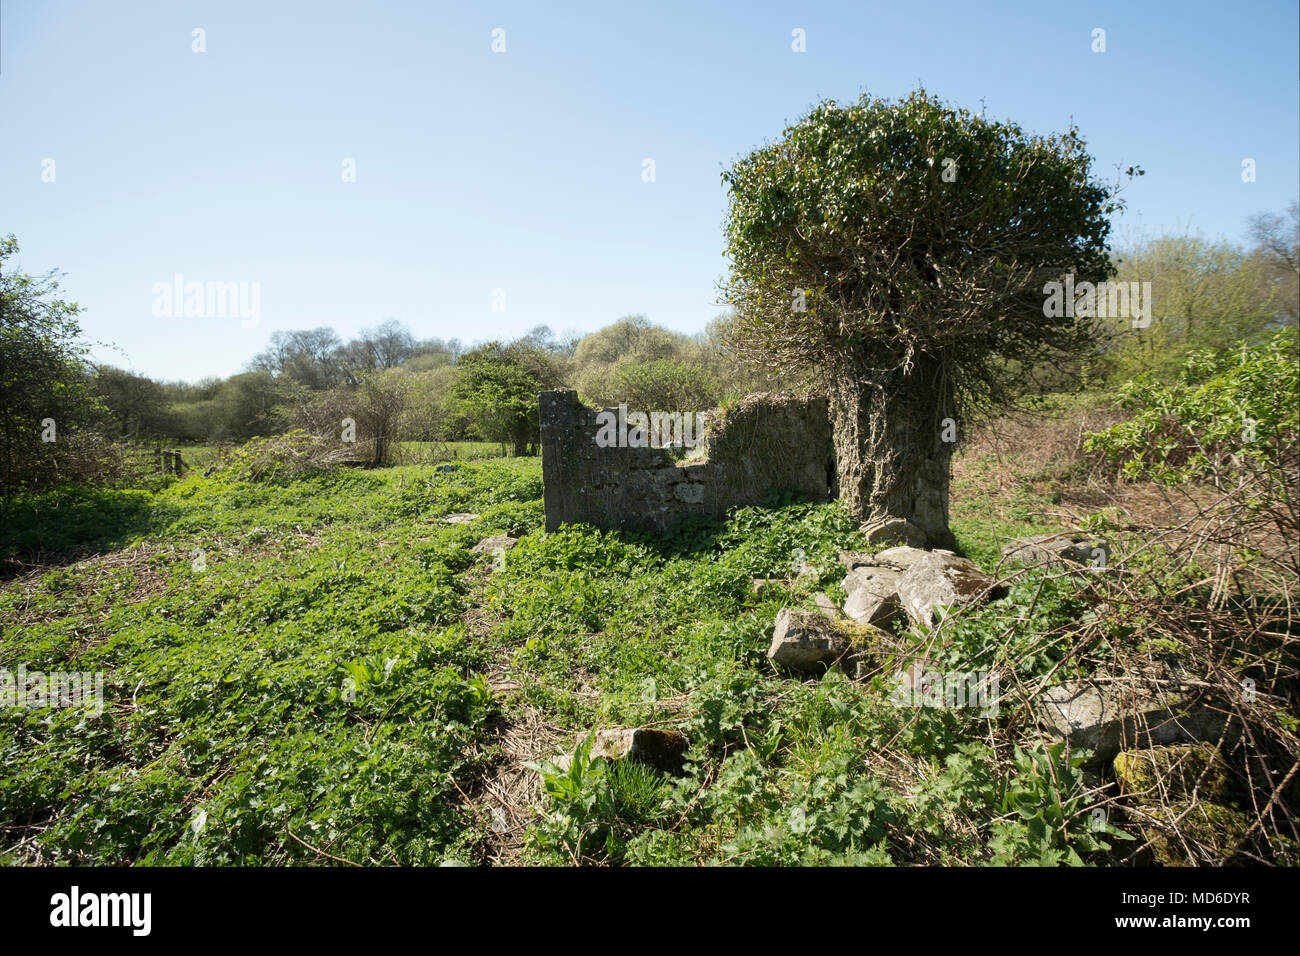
x: 136, y: 403
x: 497, y: 388
x: 43, y: 374
x: 899, y: 252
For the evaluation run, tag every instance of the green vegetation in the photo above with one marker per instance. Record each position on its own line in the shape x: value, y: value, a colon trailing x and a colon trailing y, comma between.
x: 305, y: 660
x: 285, y: 666
x: 43, y: 387
x: 315, y: 668
x: 1226, y: 408
x: 318, y: 690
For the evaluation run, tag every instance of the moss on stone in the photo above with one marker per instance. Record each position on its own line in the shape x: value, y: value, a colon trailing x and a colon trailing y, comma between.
x: 1166, y: 774
x: 1210, y: 830
x: 860, y: 635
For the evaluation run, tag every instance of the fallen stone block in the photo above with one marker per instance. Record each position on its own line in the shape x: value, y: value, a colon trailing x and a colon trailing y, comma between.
x: 1109, y: 716
x: 943, y: 578
x: 805, y: 641
x: 810, y: 641
x: 872, y: 594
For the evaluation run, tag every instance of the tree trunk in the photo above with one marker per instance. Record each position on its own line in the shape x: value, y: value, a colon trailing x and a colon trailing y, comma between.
x: 892, y: 460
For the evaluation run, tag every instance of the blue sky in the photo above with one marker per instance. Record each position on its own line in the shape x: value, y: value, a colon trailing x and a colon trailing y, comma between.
x: 522, y: 171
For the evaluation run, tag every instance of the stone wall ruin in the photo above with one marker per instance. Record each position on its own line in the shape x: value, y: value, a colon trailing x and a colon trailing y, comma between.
x: 764, y: 444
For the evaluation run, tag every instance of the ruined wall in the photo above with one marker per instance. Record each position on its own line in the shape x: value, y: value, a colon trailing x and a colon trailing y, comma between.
x: 765, y: 444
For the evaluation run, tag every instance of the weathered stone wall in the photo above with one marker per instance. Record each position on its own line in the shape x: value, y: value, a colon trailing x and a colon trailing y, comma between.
x: 765, y: 444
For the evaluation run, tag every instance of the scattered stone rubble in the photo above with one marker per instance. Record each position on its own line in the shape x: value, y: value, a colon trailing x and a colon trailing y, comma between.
x: 880, y: 587
x: 905, y: 583
x: 1159, y: 733
x: 912, y: 581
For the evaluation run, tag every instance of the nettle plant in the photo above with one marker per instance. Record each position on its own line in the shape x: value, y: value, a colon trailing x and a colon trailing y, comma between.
x: 898, y: 252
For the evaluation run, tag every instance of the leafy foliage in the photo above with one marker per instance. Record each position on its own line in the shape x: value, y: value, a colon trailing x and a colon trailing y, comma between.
x: 1227, y: 407
x: 43, y: 382
x: 852, y: 208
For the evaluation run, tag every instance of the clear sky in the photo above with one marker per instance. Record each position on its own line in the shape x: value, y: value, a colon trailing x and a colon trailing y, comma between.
x: 523, y: 170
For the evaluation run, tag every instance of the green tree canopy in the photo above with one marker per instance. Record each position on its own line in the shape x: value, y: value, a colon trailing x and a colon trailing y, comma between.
x: 899, y: 251
x: 497, y: 391
x: 43, y: 374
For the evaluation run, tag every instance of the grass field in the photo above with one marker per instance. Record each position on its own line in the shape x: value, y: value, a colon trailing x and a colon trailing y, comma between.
x: 408, y: 452
x: 319, y: 671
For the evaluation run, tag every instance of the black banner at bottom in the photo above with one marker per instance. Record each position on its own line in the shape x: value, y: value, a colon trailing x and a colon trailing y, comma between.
x: 335, y: 906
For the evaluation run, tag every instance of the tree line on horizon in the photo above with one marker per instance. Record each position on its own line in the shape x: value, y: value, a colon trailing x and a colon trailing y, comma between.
x: 1207, y: 293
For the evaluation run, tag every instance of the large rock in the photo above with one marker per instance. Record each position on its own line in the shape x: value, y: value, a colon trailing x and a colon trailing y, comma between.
x: 903, y: 557
x: 810, y: 641
x: 805, y: 641
x: 1064, y: 549
x: 943, y: 578
x: 872, y: 594
x: 900, y: 558
x: 1109, y: 716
